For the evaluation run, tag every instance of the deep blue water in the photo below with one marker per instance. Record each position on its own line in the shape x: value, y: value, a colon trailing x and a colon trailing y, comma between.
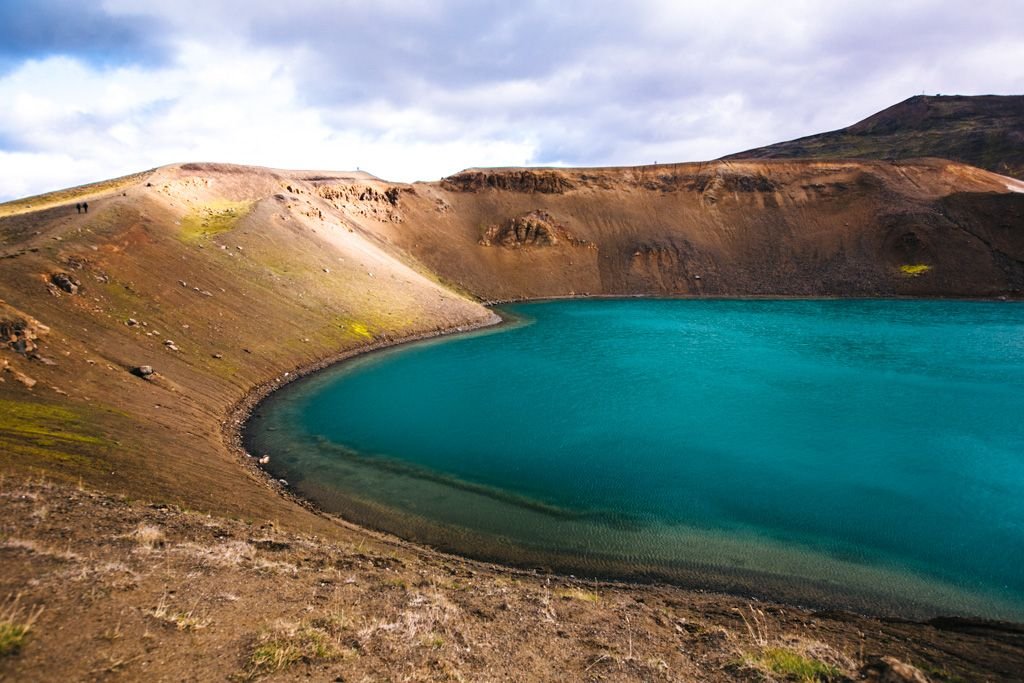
x: 864, y: 454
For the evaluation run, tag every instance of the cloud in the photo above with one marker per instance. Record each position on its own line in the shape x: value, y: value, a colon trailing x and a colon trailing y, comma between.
x: 417, y: 90
x: 33, y: 29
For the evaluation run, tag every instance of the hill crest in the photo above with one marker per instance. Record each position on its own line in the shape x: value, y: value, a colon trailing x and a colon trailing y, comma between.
x: 981, y: 130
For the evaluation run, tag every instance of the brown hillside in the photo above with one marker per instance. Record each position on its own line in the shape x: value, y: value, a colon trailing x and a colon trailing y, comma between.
x: 985, y: 131
x: 228, y: 279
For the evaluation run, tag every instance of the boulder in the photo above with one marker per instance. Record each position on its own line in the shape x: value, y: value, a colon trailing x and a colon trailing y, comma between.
x: 891, y: 670
x: 65, y: 282
x: 142, y: 370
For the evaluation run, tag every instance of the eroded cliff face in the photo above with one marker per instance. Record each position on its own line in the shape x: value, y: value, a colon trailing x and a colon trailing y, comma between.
x: 924, y: 228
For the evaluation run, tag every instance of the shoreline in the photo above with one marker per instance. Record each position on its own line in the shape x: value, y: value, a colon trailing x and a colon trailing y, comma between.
x: 239, y: 415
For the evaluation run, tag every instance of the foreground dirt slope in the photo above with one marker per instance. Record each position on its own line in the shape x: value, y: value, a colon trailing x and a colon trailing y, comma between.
x: 129, y: 335
x: 982, y: 130
x: 151, y: 592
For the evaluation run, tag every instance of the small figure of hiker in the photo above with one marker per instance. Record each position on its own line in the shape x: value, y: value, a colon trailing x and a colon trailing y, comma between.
x: 78, y: 207
x: 85, y: 207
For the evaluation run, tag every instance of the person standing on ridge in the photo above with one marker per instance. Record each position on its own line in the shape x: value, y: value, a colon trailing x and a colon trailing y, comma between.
x: 85, y: 207
x: 78, y: 207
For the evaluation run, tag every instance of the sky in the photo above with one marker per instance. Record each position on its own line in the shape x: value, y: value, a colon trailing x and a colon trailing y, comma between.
x: 411, y: 90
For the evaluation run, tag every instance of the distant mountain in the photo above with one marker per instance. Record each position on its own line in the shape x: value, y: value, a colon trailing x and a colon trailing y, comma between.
x: 986, y: 131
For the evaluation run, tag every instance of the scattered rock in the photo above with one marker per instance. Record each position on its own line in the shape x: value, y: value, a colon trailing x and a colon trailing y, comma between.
x: 18, y: 331
x: 131, y: 322
x: 142, y: 370
x: 19, y: 376
x: 65, y: 282
x: 891, y: 670
x: 170, y: 345
x: 264, y: 460
x: 218, y: 355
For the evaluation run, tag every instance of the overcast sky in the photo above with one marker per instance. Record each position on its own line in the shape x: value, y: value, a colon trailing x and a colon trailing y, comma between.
x: 414, y: 90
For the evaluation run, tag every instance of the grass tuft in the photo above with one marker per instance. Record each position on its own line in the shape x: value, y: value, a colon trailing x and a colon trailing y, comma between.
x: 15, y: 625
x: 183, y: 621
x: 149, y: 536
x: 291, y: 644
x: 794, y: 665
x: 794, y: 658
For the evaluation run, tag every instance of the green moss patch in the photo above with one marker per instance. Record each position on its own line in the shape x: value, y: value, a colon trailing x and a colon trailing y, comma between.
x: 213, y: 219
x: 42, y: 433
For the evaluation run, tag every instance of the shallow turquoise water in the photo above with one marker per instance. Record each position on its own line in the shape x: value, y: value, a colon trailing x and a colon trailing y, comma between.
x: 863, y: 454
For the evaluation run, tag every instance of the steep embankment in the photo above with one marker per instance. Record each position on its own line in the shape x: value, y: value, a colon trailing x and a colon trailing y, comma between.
x: 927, y: 228
x: 223, y: 278
x: 986, y: 131
x: 219, y: 278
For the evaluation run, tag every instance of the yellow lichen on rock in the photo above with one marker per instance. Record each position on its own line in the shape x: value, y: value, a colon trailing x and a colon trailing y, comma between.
x: 914, y: 269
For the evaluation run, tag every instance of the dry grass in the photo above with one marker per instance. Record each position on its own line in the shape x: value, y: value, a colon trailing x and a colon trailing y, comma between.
x: 149, y: 537
x: 15, y: 625
x: 792, y: 657
x: 209, y: 594
x: 222, y: 555
x: 183, y: 621
x: 41, y: 549
x: 285, y: 644
x: 578, y: 594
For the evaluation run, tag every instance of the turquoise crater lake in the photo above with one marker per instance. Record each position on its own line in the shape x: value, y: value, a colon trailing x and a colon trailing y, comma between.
x: 855, y: 454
